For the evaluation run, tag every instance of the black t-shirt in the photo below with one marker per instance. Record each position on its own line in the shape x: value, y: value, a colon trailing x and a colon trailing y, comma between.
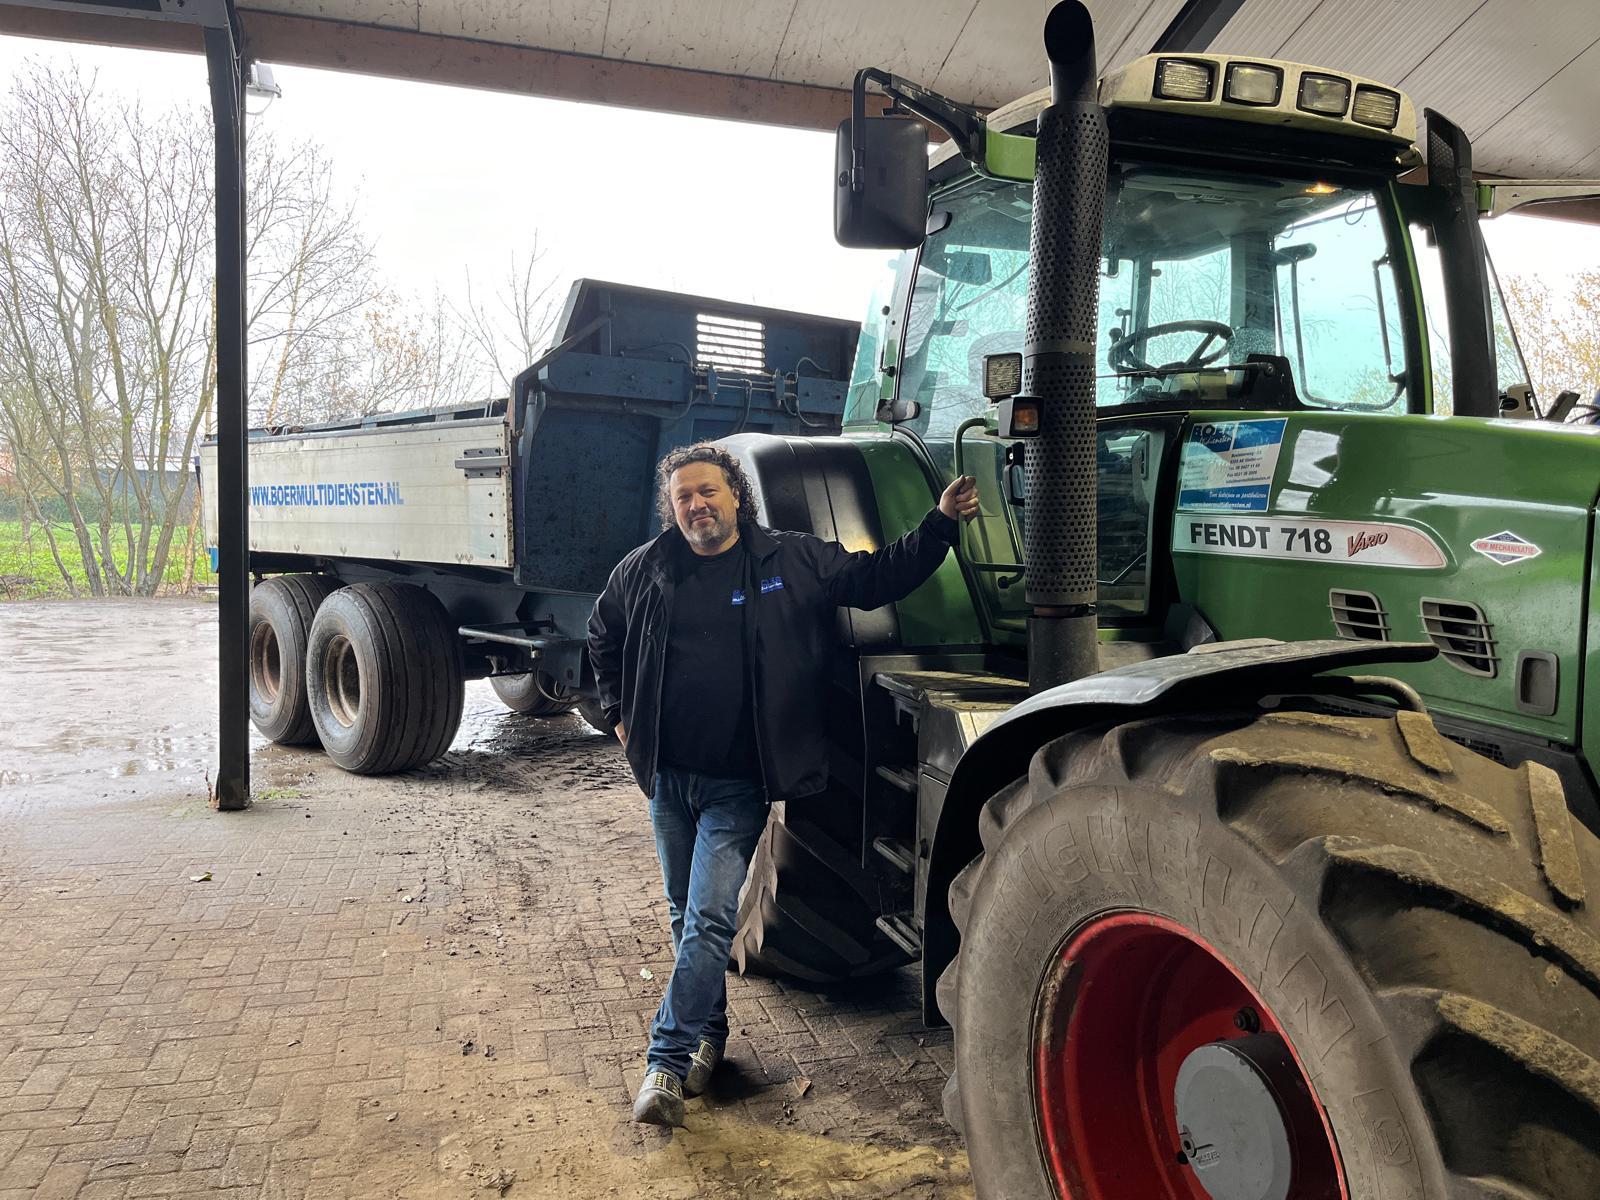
x: 707, y: 723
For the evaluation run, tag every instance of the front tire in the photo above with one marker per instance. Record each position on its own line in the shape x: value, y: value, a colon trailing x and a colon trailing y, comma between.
x: 809, y: 910
x: 1403, y: 920
x: 384, y: 677
x: 281, y: 611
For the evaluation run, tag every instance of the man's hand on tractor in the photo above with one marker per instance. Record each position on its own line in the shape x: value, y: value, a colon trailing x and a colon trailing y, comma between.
x: 960, y: 499
x: 622, y: 734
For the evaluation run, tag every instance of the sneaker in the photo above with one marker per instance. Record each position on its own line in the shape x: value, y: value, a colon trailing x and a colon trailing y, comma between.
x: 660, y: 1100
x: 701, y: 1064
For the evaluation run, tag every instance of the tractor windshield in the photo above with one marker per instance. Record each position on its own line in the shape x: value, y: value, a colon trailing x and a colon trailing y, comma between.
x: 1216, y: 290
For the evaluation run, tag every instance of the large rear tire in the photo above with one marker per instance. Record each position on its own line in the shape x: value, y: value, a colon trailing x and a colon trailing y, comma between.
x: 530, y: 693
x: 809, y: 910
x: 1400, y: 921
x: 281, y: 611
x: 384, y: 678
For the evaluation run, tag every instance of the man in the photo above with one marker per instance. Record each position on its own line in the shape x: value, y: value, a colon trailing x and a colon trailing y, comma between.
x: 709, y: 646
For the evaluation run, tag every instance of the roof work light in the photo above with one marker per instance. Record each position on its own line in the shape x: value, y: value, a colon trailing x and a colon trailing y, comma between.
x: 1183, y: 79
x: 1252, y: 83
x: 1327, y: 95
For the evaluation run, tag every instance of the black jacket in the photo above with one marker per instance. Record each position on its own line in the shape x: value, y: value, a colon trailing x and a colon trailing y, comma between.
x: 792, y: 629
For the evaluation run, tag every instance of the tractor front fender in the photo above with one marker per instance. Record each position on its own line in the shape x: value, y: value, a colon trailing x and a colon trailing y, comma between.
x: 1220, y: 676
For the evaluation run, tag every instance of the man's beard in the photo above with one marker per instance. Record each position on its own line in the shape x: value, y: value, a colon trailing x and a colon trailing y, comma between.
x: 713, y: 534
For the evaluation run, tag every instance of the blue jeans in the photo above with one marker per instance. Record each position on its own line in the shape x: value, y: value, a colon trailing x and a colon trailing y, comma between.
x: 706, y: 831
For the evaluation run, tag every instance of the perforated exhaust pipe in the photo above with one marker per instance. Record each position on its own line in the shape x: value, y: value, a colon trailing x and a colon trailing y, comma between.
x: 1058, y: 357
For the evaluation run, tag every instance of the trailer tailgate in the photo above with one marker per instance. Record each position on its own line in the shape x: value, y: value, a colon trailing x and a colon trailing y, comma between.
x: 405, y: 492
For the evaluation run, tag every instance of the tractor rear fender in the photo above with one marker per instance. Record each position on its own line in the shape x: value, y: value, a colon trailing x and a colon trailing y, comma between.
x: 1218, y: 676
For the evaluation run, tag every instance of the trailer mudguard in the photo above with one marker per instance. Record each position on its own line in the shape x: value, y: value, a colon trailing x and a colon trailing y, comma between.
x: 1193, y: 682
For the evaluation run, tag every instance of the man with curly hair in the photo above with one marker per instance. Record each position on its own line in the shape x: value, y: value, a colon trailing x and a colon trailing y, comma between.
x: 709, y: 647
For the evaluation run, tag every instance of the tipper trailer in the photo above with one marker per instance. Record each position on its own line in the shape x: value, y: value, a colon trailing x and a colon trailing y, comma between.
x: 400, y: 554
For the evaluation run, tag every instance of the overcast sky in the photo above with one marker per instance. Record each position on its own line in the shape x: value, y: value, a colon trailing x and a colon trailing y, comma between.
x: 451, y: 179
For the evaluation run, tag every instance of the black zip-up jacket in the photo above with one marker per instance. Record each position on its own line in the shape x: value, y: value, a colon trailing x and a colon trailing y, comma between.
x: 790, y: 632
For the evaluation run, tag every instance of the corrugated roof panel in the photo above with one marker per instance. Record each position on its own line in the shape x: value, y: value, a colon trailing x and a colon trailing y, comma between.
x: 735, y: 37
x: 1499, y: 57
x: 1263, y: 26
x: 1381, y: 39
x: 394, y: 14
x: 1140, y: 36
x: 828, y: 41
x: 568, y: 25
x: 998, y: 57
x: 1539, y: 138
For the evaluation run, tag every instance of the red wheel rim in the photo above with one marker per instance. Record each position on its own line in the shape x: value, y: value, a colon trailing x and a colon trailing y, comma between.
x: 1127, y: 1001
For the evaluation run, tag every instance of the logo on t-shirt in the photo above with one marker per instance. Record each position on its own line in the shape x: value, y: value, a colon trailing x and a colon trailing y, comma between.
x: 772, y: 585
x: 738, y: 595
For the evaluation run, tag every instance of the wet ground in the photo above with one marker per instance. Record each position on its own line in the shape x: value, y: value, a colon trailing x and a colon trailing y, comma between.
x: 435, y: 984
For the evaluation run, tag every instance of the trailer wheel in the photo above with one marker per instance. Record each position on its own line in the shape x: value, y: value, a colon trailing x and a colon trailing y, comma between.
x: 523, y: 694
x: 384, y: 677
x: 808, y: 910
x: 1277, y: 955
x: 281, y: 612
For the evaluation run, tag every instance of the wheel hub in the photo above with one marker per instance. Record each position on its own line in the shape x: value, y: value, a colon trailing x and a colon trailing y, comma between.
x: 1159, y: 1071
x: 1230, y: 1118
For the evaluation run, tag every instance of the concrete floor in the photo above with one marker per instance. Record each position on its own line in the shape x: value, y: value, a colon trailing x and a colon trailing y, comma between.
x: 426, y: 985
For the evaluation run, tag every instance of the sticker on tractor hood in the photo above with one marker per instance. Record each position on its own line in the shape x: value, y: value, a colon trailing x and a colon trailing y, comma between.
x: 1228, y: 465
x: 1506, y: 548
x: 1370, y: 543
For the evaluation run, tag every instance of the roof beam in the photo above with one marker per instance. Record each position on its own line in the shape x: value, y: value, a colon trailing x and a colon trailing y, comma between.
x: 1196, y: 26
x: 433, y: 58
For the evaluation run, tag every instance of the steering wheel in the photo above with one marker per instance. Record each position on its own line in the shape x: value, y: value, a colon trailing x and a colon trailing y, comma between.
x: 1122, y: 358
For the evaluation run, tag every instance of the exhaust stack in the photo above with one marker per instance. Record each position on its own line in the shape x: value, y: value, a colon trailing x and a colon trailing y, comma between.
x: 1073, y: 150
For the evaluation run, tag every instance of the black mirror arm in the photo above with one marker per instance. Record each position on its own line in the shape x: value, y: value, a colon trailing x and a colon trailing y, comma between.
x: 962, y: 122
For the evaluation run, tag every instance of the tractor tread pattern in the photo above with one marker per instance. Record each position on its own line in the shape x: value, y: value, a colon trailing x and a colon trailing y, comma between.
x: 805, y: 912
x: 1355, y: 770
x: 1552, y: 820
x: 1442, y: 904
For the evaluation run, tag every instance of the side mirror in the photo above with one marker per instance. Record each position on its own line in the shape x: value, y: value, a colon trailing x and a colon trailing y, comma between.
x: 892, y: 412
x: 880, y: 200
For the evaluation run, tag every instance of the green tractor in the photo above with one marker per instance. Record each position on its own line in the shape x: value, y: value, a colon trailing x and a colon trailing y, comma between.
x: 1232, y: 784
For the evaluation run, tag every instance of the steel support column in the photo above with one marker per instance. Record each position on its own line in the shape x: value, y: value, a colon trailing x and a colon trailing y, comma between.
x: 218, y: 22
x: 226, y: 68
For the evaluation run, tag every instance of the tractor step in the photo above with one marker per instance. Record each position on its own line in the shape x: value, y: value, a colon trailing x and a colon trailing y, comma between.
x: 897, y: 852
x: 903, y: 778
x: 897, y: 927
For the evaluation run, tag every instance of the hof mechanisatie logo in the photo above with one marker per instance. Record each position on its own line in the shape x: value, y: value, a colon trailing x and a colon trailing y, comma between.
x: 1506, y: 548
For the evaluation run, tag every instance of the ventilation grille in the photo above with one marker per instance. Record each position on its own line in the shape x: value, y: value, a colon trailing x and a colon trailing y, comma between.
x: 1358, y: 616
x: 1462, y: 634
x: 731, y: 343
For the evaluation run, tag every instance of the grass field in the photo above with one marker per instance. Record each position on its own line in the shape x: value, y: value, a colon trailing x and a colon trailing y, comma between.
x: 28, y: 572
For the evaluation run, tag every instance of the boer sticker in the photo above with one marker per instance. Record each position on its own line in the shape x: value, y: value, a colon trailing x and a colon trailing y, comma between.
x: 1506, y: 548
x: 1228, y: 465
x: 1373, y: 543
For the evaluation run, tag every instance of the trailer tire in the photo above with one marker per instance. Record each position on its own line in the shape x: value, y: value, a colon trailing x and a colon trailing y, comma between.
x: 281, y: 611
x: 522, y: 694
x: 384, y: 676
x: 808, y: 910
x: 1408, y: 917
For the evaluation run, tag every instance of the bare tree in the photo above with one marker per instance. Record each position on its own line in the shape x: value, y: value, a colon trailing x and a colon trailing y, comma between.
x: 510, y: 328
x: 107, y: 332
x: 1559, y: 332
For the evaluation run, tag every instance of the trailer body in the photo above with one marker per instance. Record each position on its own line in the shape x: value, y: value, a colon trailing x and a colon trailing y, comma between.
x: 511, y: 513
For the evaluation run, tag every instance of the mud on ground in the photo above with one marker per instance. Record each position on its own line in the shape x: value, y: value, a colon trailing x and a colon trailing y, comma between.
x: 431, y: 985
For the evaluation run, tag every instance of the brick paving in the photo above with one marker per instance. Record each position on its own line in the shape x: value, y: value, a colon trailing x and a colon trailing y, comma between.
x: 427, y: 985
